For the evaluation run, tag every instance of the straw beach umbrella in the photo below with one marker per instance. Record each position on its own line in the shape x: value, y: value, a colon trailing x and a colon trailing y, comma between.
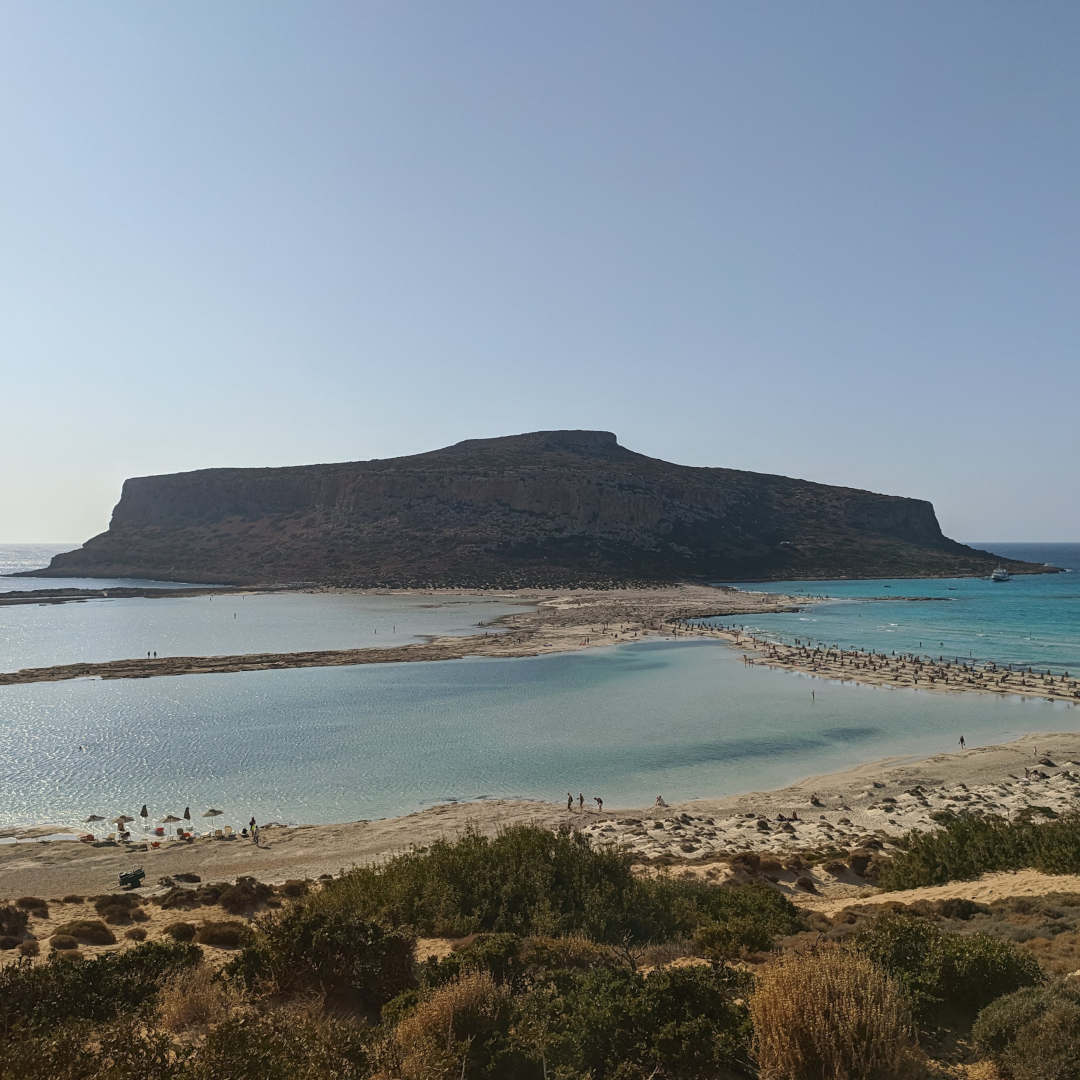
x: 212, y: 813
x: 145, y: 814
x: 94, y: 817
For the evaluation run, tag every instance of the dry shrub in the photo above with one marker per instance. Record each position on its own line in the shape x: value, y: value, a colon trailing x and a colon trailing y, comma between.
x: 63, y: 941
x: 831, y: 1015
x: 72, y: 898
x: 117, y: 908
x: 224, y: 934
x: 35, y: 905
x: 245, y: 896
x: 294, y: 888
x: 86, y: 931
x: 13, y: 921
x: 433, y: 1041
x: 136, y: 933
x: 180, y: 931
x: 195, y: 998
x: 29, y: 948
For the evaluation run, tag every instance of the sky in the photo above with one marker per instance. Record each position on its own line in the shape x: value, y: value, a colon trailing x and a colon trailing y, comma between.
x: 836, y: 241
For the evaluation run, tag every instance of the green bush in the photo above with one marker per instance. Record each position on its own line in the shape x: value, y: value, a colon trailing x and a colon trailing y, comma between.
x: 681, y: 1023
x: 304, y: 949
x: 281, y: 1045
x: 1033, y: 1034
x: 98, y: 989
x: 516, y: 961
x: 528, y: 880
x: 945, y: 977
x: 968, y: 845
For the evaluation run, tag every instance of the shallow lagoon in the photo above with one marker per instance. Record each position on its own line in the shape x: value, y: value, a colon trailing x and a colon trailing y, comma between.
x: 40, y: 635
x: 338, y: 744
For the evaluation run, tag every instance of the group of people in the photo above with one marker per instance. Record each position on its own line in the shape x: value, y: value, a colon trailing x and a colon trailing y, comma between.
x: 599, y: 802
x: 581, y: 802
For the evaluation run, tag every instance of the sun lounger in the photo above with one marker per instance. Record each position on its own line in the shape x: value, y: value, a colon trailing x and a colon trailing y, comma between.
x: 228, y: 832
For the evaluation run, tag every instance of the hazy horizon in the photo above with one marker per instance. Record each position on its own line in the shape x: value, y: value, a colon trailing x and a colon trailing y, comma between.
x: 833, y: 244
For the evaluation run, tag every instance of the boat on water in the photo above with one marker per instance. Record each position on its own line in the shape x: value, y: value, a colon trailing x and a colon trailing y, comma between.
x: 1000, y: 574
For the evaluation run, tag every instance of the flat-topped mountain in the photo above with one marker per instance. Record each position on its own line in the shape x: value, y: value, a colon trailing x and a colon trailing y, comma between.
x: 549, y: 507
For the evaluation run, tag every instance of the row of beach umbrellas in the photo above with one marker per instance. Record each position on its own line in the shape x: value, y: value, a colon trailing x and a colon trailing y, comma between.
x: 169, y: 819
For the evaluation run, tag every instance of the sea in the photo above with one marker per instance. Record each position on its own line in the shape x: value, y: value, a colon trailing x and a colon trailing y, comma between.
x: 1031, y: 620
x: 312, y: 745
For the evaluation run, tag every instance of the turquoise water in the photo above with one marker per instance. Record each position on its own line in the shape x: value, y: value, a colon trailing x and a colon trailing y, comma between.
x: 39, y: 635
x: 1032, y: 620
x: 334, y: 744
x: 338, y: 744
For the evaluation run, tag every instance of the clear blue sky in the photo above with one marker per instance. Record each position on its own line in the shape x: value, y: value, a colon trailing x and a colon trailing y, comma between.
x: 832, y: 240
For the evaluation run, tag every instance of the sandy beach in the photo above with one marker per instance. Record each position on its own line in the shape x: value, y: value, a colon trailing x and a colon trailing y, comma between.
x: 907, y: 670
x: 843, y: 811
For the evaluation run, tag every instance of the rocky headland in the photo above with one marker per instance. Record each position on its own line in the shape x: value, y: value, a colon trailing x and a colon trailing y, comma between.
x: 549, y: 508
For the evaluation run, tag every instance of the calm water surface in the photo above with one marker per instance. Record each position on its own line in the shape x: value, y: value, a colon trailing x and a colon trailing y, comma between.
x: 338, y: 744
x: 39, y: 635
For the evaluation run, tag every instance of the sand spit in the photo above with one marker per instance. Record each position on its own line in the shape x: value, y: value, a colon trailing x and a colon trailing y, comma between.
x: 562, y: 621
x: 75, y: 596
x: 842, y: 811
x: 908, y: 670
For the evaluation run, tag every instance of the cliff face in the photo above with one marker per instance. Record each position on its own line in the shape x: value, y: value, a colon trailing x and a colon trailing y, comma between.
x: 548, y: 507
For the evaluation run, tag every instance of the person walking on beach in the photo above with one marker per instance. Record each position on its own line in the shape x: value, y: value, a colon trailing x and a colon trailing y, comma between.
x: 581, y: 802
x: 251, y: 823
x: 569, y: 801
x: 963, y: 744
x: 599, y: 804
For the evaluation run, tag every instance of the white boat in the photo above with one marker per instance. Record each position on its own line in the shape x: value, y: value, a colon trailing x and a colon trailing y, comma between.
x: 1000, y: 574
